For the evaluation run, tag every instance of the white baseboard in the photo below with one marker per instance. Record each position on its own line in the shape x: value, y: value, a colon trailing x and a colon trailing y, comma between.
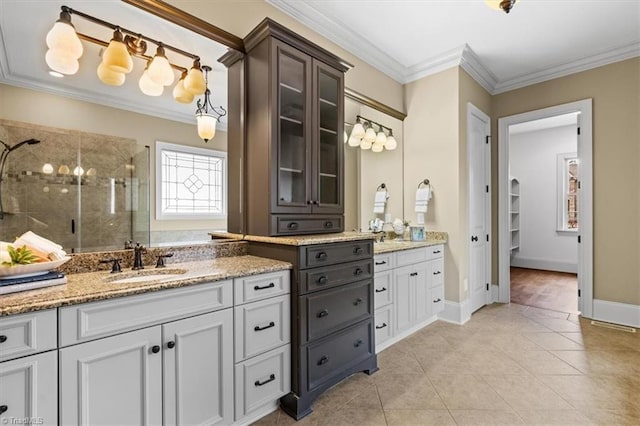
x: 454, y: 312
x: 616, y: 313
x: 405, y: 333
x: 544, y: 264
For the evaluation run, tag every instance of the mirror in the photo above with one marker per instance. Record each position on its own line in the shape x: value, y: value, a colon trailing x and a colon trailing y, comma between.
x: 365, y: 170
x: 82, y: 122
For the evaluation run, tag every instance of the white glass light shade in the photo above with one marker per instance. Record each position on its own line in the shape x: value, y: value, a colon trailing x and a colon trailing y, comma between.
x: 63, y: 37
x: 107, y: 76
x: 194, y: 82
x: 358, y: 131
x: 370, y: 135
x: 159, y: 69
x: 345, y: 137
x: 116, y: 57
x: 92, y: 172
x: 148, y: 87
x: 376, y: 147
x: 365, y: 144
x: 206, y: 126
x: 391, y: 143
x: 78, y: 171
x: 62, y: 62
x: 353, y: 141
x: 47, y: 168
x: 181, y: 94
x: 381, y: 138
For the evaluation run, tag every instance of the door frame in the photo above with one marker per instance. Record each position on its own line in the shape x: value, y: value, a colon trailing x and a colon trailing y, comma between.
x: 585, y: 156
x: 472, y: 110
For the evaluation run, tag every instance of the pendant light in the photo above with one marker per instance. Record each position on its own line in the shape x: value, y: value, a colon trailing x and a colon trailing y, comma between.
x: 207, y: 116
x: 116, y: 57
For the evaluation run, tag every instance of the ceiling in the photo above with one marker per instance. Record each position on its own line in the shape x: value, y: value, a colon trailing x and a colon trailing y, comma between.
x: 30, y: 70
x: 539, y: 40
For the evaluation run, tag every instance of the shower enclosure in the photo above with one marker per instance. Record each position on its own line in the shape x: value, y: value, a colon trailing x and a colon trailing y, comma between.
x: 85, y: 191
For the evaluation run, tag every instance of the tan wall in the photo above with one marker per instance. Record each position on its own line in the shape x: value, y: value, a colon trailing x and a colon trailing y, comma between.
x: 431, y: 151
x: 56, y: 111
x: 239, y: 17
x: 615, y: 90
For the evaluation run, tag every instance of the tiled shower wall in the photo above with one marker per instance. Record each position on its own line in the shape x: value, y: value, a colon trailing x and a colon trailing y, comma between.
x: 99, y: 210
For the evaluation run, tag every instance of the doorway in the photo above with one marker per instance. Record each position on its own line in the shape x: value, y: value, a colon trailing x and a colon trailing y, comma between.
x: 583, y: 237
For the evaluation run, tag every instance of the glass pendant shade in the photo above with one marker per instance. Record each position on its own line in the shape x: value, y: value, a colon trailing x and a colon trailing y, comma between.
x: 194, y: 81
x: 63, y: 37
x: 391, y: 143
x: 181, y: 94
x: 148, y: 87
x: 159, y: 70
x: 78, y: 171
x: 47, y: 168
x: 345, y: 137
x: 116, y: 57
x: 353, y: 141
x: 376, y: 147
x: 381, y: 138
x: 365, y: 144
x: 358, y: 130
x: 61, y: 62
x: 206, y: 126
x: 110, y: 77
x: 369, y: 135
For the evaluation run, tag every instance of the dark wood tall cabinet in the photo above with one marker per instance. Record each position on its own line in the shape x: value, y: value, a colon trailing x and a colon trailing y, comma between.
x: 291, y: 161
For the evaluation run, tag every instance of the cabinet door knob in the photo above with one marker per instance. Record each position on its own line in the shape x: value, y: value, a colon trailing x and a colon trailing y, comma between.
x: 315, y: 202
x: 270, y: 285
x: 309, y: 202
x: 381, y: 290
x: 357, y: 250
x: 358, y: 271
x: 155, y: 349
x: 357, y: 301
x: 323, y: 280
x: 292, y: 225
x: 328, y: 224
x: 3, y: 408
x: 171, y: 344
x: 323, y: 313
x: 378, y: 327
x: 357, y: 343
x: 323, y: 360
x: 321, y: 256
x: 258, y: 328
x: 271, y: 378
x: 3, y: 338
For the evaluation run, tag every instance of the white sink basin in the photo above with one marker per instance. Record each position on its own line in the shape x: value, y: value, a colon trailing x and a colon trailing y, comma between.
x: 144, y: 275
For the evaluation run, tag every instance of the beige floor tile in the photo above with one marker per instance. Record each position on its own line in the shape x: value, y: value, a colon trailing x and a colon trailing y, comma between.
x: 596, y: 392
x: 269, y: 419
x: 622, y: 417
x: 419, y: 417
x: 408, y: 392
x: 465, y: 392
x: 527, y: 393
x: 553, y: 341
x: 485, y: 417
x: 367, y: 399
x: 488, y: 363
x: 553, y: 417
x: 439, y: 361
x: 349, y: 417
x: 558, y: 324
x: 513, y: 342
x: 541, y: 362
x: 622, y: 363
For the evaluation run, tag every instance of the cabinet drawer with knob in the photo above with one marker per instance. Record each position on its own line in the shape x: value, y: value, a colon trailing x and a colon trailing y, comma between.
x: 27, y: 334
x: 383, y: 262
x: 299, y: 225
x: 382, y: 288
x: 258, y: 287
x: 330, y: 254
x: 436, y: 272
x: 383, y: 325
x: 334, y: 309
x: 335, y: 275
x: 261, y: 326
x: 331, y: 356
x: 435, y: 252
x: 437, y: 299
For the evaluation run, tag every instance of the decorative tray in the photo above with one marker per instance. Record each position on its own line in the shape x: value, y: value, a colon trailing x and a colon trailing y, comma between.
x: 32, y: 269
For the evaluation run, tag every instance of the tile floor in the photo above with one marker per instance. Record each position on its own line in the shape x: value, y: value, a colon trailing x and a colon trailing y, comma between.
x: 510, y: 364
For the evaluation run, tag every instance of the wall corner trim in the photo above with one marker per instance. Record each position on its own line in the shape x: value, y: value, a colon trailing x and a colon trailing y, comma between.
x: 455, y: 312
x: 616, y: 313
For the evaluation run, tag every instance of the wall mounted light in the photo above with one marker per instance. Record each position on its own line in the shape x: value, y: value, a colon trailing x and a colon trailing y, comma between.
x: 364, y: 135
x: 207, y: 115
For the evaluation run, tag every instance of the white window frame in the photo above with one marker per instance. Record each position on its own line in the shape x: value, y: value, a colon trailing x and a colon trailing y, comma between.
x: 166, y: 146
x: 563, y: 192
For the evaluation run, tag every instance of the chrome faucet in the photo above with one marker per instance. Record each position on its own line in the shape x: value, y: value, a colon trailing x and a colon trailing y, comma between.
x: 137, y: 256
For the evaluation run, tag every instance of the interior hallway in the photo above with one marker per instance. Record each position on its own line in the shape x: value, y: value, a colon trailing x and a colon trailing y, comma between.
x: 557, y: 291
x: 510, y: 364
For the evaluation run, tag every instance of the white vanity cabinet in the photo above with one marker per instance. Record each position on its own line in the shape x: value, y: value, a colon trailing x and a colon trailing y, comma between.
x: 408, y: 290
x: 29, y: 384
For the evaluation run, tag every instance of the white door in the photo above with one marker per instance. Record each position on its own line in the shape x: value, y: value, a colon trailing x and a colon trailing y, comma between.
x: 29, y: 390
x: 478, y: 148
x: 198, y: 370
x: 113, y: 381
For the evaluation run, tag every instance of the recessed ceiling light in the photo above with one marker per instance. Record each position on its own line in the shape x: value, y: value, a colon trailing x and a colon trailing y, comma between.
x: 55, y: 74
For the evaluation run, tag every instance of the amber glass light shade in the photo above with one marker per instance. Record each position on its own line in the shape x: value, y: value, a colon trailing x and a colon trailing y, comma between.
x: 194, y: 82
x: 109, y: 77
x: 116, y: 57
x: 181, y: 94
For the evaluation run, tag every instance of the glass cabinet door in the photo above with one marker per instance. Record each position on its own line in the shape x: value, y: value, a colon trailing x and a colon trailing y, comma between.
x: 328, y: 139
x: 294, y: 157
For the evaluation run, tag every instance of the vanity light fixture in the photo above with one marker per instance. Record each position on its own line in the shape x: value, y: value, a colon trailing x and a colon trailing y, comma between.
x: 207, y: 115
x: 504, y: 5
x: 365, y: 136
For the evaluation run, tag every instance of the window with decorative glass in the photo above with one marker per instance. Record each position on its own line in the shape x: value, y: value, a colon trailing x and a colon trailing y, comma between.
x: 190, y: 182
x: 568, y: 192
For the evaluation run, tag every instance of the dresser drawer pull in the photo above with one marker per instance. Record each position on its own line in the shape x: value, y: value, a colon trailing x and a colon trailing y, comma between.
x: 3, y: 338
x: 357, y: 301
x: 328, y: 225
x: 382, y: 262
x: 378, y: 327
x: 437, y: 273
x: 358, y: 343
x: 413, y: 274
x: 437, y: 300
x: 323, y: 280
x: 358, y: 250
x: 381, y: 290
x: 270, y: 285
x: 358, y: 271
x: 258, y: 328
x: 3, y: 408
x: 321, y: 256
x: 271, y: 378
x: 292, y: 225
x: 323, y: 360
x: 436, y: 251
x: 323, y: 313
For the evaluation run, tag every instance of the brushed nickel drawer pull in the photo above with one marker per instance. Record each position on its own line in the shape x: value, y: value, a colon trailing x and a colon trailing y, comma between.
x: 270, y: 285
x: 381, y: 290
x: 323, y: 313
x: 271, y: 378
x: 258, y: 328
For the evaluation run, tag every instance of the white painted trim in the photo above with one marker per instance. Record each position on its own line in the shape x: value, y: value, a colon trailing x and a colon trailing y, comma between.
x: 471, y: 63
x: 585, y: 152
x: 544, y: 264
x: 616, y: 313
x: 495, y: 293
x: 265, y: 410
x: 455, y: 313
x: 405, y: 333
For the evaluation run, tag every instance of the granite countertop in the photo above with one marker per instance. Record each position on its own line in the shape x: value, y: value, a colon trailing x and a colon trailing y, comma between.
x: 94, y: 286
x: 301, y: 240
x: 389, y: 245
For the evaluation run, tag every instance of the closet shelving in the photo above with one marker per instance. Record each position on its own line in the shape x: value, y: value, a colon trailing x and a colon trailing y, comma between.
x: 514, y: 213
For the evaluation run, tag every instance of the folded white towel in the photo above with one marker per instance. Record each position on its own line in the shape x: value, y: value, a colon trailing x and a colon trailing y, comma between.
x: 423, y: 195
x: 381, y: 197
x: 30, y: 239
